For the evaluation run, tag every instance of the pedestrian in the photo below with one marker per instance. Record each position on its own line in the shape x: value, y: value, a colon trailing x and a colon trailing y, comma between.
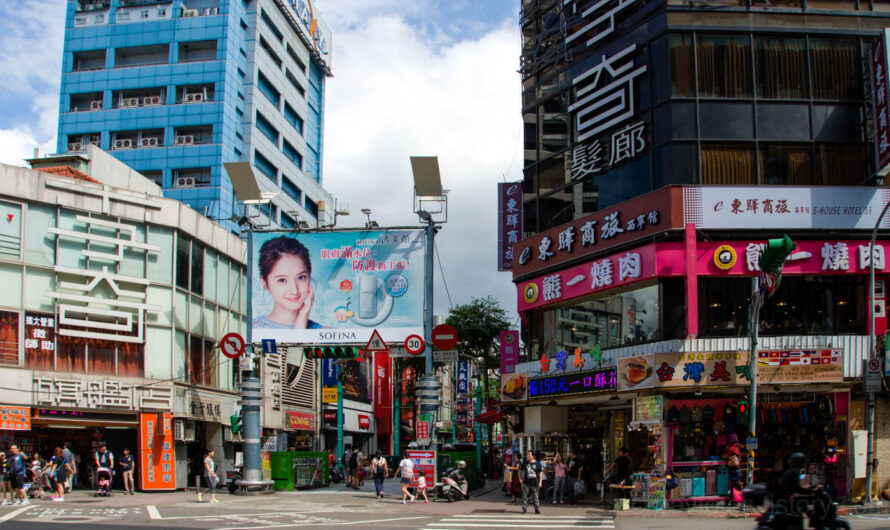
x: 515, y: 480
x: 380, y: 469
x: 104, y: 460
x: 532, y: 472
x: 127, y: 465
x: 508, y: 470
x: 421, y: 486
x: 5, y: 484
x: 354, y: 460
x: 59, y: 474
x: 68, y: 455
x: 17, y: 468
x: 406, y: 471
x: 209, y: 477
x: 344, y: 461
x: 575, y: 475
x: 559, y: 480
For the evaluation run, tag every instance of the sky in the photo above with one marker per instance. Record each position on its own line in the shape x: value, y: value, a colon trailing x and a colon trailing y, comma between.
x: 410, y: 78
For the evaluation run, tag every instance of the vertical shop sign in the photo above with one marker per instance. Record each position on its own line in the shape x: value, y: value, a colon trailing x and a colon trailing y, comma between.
x: 463, y: 377
x: 509, y: 351
x: 880, y: 88
x: 383, y: 392
x: 40, y: 340
x: 15, y: 418
x: 510, y: 220
x: 157, y: 471
x: 328, y: 372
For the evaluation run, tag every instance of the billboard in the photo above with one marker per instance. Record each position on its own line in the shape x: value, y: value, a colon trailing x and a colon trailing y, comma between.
x: 337, y: 287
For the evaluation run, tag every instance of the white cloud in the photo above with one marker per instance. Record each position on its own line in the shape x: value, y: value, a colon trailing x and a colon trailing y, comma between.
x: 397, y: 92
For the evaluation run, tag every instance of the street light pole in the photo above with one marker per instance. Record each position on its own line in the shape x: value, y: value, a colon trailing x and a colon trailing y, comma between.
x: 870, y: 416
x: 429, y: 389
x: 756, y: 302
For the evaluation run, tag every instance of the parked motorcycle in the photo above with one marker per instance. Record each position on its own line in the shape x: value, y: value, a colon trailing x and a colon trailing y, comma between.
x: 822, y: 512
x: 454, y: 484
x: 231, y: 477
x: 335, y: 475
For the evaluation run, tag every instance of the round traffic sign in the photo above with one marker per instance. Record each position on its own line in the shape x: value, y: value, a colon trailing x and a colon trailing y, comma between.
x: 232, y: 345
x: 874, y: 365
x: 414, y: 344
x: 444, y: 337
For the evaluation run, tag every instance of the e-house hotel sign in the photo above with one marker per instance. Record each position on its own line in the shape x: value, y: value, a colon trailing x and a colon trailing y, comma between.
x: 85, y: 307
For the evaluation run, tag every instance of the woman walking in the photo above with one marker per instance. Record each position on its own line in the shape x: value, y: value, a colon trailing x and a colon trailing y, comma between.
x: 59, y: 469
x: 559, y: 481
x: 209, y: 477
x: 515, y: 480
x: 380, y: 470
x: 406, y: 471
x: 5, y: 486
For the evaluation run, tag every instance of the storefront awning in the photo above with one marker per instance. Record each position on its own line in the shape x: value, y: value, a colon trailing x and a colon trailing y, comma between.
x: 492, y: 416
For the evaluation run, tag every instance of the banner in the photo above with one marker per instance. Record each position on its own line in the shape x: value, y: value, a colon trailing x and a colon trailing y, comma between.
x: 881, y: 94
x: 649, y: 409
x: 337, y: 287
x: 463, y: 377
x: 799, y: 366
x: 300, y: 421
x: 514, y: 387
x: 383, y: 392
x: 509, y: 351
x: 156, y: 463
x: 693, y: 369
x: 572, y: 383
x: 328, y: 372
x: 426, y: 462
x: 13, y: 418
x: 510, y: 210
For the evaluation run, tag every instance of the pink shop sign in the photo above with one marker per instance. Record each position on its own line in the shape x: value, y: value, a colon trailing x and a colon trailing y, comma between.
x: 810, y: 257
x: 601, y: 274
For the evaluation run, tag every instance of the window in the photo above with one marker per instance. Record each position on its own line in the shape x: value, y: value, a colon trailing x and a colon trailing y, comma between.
x: 266, y: 128
x: 192, y: 177
x: 682, y: 66
x: 9, y: 342
x: 89, y: 60
x: 85, y: 102
x: 836, y: 69
x: 291, y: 190
x: 268, y: 89
x: 182, y: 262
x: 727, y: 164
x: 311, y: 207
x: 786, y: 164
x: 287, y: 221
x: 268, y: 47
x: 293, y: 81
x: 828, y: 305
x: 197, y: 269
x: 840, y: 165
x: 781, y: 68
x: 291, y: 153
x: 156, y: 176
x: 204, y: 50
x: 724, y: 66
x: 142, y: 55
x: 271, y: 25
x: 262, y: 163
x: 293, y: 55
x: 291, y: 116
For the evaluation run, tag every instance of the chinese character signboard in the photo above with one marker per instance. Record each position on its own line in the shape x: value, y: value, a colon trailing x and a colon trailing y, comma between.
x: 637, y: 218
x: 156, y: 466
x: 810, y: 257
x: 692, y: 369
x: 463, y: 377
x: 198, y: 406
x: 360, y: 281
x: 14, y: 418
x: 299, y: 421
x: 423, y: 432
x: 573, y: 383
x: 423, y: 461
x: 96, y: 392
x: 509, y: 351
x: 509, y: 222
x: 880, y: 88
x: 784, y: 207
x: 514, y: 387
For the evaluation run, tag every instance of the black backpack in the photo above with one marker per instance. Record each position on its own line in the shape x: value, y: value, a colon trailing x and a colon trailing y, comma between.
x: 353, y: 460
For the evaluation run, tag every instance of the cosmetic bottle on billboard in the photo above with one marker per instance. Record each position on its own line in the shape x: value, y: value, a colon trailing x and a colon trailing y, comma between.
x: 372, y: 311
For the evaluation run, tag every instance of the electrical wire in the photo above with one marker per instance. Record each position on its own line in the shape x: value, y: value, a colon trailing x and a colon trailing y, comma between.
x: 442, y: 272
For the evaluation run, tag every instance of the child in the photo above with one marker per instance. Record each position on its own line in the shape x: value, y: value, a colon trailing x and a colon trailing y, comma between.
x: 421, y: 487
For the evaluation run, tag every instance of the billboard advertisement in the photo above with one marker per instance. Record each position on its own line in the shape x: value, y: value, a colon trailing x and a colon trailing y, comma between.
x: 337, y: 287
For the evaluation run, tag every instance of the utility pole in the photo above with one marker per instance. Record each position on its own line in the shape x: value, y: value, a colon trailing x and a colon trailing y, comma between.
x: 870, y: 414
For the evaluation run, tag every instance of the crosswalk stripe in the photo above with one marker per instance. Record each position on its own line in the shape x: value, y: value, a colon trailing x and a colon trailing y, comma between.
x: 518, y: 520
x: 526, y: 516
x: 495, y: 524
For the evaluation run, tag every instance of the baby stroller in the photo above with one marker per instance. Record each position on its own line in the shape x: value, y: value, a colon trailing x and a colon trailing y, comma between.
x: 36, y: 481
x: 103, y: 477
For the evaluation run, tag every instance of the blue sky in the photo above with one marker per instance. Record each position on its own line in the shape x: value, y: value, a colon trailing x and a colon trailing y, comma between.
x: 411, y: 77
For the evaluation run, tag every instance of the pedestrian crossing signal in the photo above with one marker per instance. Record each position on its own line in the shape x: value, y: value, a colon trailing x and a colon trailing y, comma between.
x: 332, y: 352
x: 236, y: 423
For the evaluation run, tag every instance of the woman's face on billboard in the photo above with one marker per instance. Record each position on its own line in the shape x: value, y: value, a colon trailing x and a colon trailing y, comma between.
x: 288, y: 282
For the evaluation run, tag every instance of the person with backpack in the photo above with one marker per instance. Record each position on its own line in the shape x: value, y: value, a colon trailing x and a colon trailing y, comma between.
x: 354, y: 459
x: 70, y: 464
x: 344, y: 461
x: 380, y: 469
x: 532, y: 478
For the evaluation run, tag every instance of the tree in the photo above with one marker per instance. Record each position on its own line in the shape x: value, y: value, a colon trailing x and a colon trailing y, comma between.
x: 478, y: 326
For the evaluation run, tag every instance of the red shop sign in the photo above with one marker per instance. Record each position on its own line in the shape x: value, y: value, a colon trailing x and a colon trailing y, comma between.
x: 300, y: 421
x: 364, y: 421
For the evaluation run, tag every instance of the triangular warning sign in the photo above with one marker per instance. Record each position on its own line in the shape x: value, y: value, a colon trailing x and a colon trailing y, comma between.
x: 376, y: 343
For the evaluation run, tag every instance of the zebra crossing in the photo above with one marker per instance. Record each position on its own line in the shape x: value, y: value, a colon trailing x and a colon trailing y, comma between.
x: 518, y: 520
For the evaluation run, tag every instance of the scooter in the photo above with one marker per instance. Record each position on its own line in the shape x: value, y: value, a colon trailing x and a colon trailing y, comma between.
x: 231, y: 477
x: 335, y: 475
x: 454, y: 485
x: 822, y: 513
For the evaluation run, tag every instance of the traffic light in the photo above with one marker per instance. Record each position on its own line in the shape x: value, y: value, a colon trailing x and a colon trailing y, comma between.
x: 236, y: 423
x: 773, y: 256
x: 332, y: 352
x: 742, y: 415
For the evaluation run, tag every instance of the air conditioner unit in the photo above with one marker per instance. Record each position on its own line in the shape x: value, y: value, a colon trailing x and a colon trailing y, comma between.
x: 143, y: 13
x: 130, y: 102
x: 185, y: 182
x: 75, y: 146
x: 183, y: 430
x: 214, y: 10
x: 196, y: 97
x: 94, y: 139
x: 123, y: 15
x: 189, y: 12
x: 151, y: 100
x: 80, y: 21
x: 123, y: 144
x: 96, y: 104
x: 186, y: 139
x: 148, y: 142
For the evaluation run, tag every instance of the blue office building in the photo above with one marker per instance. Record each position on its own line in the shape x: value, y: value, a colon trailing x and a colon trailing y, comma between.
x: 178, y: 88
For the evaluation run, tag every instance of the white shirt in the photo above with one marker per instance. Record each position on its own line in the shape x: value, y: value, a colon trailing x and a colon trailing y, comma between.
x: 421, y: 482
x: 407, y: 467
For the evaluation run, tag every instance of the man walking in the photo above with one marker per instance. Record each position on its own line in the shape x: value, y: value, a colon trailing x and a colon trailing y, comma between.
x: 68, y: 455
x: 126, y: 464
x: 574, y: 475
x: 17, y: 474
x: 533, y: 476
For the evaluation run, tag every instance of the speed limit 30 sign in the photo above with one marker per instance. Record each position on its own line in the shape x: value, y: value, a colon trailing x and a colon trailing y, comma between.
x: 414, y: 344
